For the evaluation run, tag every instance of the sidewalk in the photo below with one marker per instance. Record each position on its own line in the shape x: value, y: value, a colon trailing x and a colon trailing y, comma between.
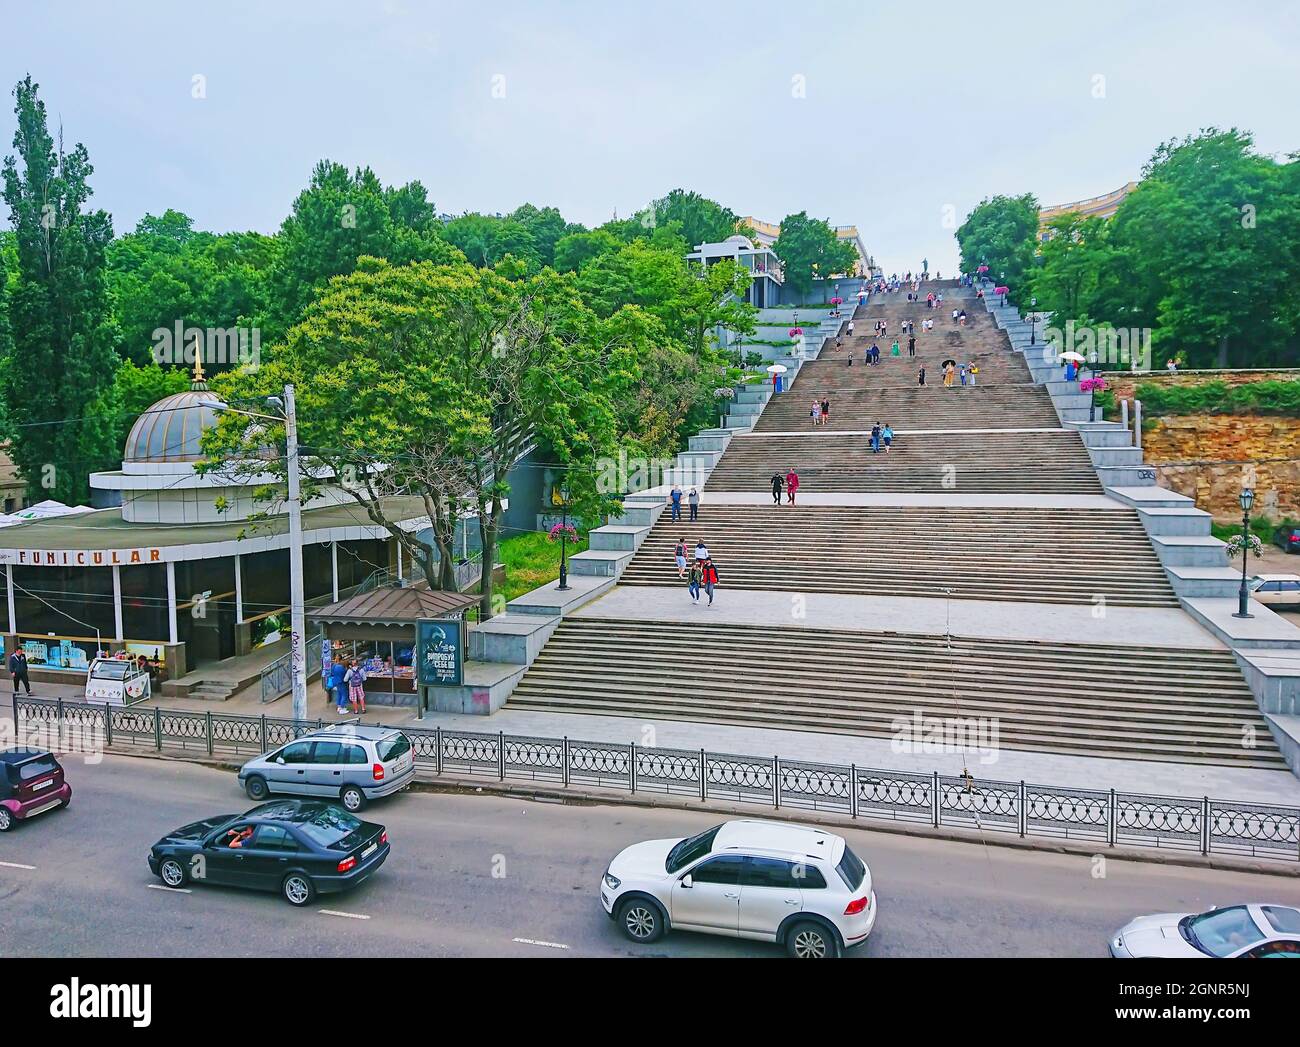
x: 1042, y: 769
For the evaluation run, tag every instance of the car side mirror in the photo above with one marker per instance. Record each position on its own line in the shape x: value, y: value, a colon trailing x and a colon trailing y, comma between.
x: 687, y: 881
x: 279, y: 759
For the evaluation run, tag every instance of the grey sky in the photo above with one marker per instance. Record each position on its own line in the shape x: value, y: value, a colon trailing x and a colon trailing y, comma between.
x: 906, y: 108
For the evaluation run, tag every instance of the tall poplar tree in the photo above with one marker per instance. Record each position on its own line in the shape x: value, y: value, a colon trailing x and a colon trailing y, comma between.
x: 61, y: 356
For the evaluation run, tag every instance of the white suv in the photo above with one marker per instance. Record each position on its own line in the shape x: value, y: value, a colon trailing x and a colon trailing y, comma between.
x: 796, y: 885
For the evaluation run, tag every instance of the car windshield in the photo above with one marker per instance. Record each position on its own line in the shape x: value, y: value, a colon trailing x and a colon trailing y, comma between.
x: 691, y: 849
x: 1222, y: 932
x: 329, y: 826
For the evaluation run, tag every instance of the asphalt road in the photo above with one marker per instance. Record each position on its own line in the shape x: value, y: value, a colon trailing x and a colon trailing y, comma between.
x: 479, y: 875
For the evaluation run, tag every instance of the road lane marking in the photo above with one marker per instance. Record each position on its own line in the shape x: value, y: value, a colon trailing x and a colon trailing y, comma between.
x: 16, y: 865
x: 169, y: 890
x: 345, y: 915
x: 534, y: 941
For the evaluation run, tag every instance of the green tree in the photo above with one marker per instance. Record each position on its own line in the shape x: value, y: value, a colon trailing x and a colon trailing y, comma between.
x: 134, y: 390
x: 695, y: 218
x: 62, y: 334
x: 1211, y: 237
x: 166, y: 272
x: 1002, y: 233
x: 546, y: 226
x: 1074, y: 263
x: 432, y: 382
x: 574, y: 250
x: 688, y: 303
x: 810, y: 251
x: 340, y: 217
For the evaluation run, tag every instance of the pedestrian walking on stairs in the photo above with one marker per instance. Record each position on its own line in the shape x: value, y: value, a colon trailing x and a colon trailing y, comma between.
x: 920, y: 376
x: 693, y: 579
x: 778, y: 485
x: 693, y: 499
x: 791, y: 485
x: 679, y: 556
x: 675, y: 498
x: 710, y: 578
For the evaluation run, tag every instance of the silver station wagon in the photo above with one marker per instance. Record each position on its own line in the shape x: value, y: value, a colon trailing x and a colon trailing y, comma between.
x: 347, y: 762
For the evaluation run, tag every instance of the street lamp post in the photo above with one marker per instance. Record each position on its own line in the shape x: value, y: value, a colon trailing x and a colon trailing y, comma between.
x: 287, y: 412
x: 1033, y: 316
x: 564, y: 539
x: 1094, y: 363
x: 1247, y: 499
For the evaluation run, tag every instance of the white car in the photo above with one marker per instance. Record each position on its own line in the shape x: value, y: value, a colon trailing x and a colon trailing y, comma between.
x: 1276, y: 590
x: 796, y: 885
x: 1239, y: 930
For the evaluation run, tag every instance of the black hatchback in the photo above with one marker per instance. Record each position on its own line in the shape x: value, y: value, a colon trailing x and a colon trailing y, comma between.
x: 300, y: 848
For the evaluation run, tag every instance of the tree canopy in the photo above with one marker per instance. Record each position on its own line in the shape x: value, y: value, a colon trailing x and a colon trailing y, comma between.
x: 1001, y: 233
x: 809, y: 251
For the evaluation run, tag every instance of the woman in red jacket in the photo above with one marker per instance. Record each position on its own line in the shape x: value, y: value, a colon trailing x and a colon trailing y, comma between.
x: 791, y: 485
x: 710, y: 578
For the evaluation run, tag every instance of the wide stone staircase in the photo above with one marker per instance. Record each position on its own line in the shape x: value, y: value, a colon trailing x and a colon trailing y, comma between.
x: 1132, y: 702
x: 977, y: 500
x: 1051, y: 461
x: 1040, y: 555
x: 857, y: 404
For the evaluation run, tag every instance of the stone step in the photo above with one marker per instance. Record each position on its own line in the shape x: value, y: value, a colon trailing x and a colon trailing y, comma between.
x: 1173, y: 704
x: 917, y: 550
x: 1190, y: 550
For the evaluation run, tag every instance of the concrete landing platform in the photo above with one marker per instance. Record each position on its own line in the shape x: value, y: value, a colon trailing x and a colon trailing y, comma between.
x: 1129, y: 626
x: 1265, y: 629
x: 946, y: 500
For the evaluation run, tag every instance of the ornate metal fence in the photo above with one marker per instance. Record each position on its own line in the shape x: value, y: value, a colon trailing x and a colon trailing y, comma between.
x: 1100, y: 816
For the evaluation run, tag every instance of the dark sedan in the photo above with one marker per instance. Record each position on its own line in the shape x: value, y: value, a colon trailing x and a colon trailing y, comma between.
x: 300, y: 848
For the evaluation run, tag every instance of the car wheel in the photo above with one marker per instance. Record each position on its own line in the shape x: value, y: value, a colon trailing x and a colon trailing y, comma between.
x: 257, y: 788
x: 172, y: 872
x: 6, y: 819
x: 811, y: 941
x: 353, y: 798
x: 641, y: 920
x: 297, y: 889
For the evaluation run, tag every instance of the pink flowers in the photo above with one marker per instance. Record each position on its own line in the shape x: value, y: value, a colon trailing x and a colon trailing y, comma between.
x: 1089, y: 385
x: 567, y: 531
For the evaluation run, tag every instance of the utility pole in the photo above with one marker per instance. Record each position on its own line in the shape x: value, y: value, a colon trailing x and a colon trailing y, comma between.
x: 297, y: 612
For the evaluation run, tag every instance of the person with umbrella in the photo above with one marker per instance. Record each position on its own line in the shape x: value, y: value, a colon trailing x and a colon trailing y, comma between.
x: 949, y: 368
x: 1072, y: 361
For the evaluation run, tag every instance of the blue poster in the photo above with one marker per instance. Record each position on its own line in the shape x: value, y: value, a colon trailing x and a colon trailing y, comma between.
x: 440, y: 653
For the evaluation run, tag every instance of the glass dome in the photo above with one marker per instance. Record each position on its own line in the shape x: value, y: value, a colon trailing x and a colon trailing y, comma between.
x: 170, y: 430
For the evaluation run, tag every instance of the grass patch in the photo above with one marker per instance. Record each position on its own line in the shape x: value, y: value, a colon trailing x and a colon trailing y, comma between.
x: 1269, y: 397
x: 1260, y: 526
x: 532, y: 559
